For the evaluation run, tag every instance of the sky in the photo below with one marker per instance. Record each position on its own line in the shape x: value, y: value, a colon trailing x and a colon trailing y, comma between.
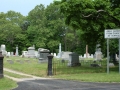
x: 22, y: 6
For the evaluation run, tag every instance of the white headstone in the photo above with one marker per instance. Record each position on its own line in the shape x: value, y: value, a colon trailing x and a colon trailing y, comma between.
x: 3, y: 49
x: 16, y: 53
x: 59, y: 53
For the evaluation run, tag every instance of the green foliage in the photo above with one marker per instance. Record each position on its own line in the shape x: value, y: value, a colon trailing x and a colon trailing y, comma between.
x: 74, y: 23
x: 7, y: 84
x: 92, y: 17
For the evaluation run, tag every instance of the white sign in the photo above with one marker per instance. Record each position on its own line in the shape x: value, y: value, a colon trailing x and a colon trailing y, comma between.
x: 112, y: 33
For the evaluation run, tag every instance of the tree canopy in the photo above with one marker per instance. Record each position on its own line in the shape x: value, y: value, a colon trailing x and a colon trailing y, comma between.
x: 74, y: 23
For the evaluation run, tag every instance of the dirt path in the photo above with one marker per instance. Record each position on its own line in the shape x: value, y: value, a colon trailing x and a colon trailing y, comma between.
x: 31, y: 77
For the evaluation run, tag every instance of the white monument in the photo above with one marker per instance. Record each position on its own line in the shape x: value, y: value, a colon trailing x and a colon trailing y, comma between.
x: 16, y: 53
x: 3, y: 49
x: 59, y: 53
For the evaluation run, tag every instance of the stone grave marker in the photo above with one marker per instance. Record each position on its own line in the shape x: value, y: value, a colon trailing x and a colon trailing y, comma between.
x: 28, y: 61
x: 3, y: 49
x: 11, y: 53
x: 10, y: 61
x: 16, y: 53
x: 20, y: 61
x: 31, y: 52
x: 43, y: 53
x: 65, y: 55
x: 73, y: 59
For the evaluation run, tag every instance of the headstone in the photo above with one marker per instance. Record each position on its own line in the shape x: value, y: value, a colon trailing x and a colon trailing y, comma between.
x: 65, y: 55
x: 8, y: 54
x: 31, y: 52
x: 73, y: 59
x: 111, y: 65
x: 43, y: 53
x: 54, y: 54
x: 16, y: 53
x: 24, y: 53
x: 98, y: 53
x: 20, y: 61
x: 11, y: 53
x: 92, y: 56
x: 10, y: 61
x: 3, y: 49
x: 28, y: 61
x: 59, y: 53
x: 36, y: 54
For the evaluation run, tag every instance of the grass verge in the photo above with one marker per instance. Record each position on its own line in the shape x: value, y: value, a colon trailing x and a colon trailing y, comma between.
x: 7, y: 84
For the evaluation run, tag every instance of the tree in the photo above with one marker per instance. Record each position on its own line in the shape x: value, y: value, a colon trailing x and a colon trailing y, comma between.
x: 36, y: 31
x: 10, y: 27
x: 92, y: 17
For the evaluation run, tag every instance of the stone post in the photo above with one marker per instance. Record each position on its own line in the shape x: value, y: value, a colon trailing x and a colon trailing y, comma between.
x: 1, y: 65
x: 50, y: 65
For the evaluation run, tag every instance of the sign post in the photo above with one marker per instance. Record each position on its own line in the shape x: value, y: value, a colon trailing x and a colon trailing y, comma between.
x: 112, y: 34
x: 107, y: 55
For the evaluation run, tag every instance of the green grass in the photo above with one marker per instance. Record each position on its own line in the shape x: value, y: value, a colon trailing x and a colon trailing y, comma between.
x: 7, y: 84
x: 15, y: 75
x: 91, y: 77
x: 62, y: 71
x: 33, y: 68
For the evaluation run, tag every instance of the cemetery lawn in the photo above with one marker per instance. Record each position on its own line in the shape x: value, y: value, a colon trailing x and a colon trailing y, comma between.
x: 7, y: 84
x: 78, y: 73
x: 15, y: 75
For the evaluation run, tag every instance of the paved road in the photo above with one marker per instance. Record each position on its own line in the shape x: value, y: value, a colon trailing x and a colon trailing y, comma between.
x: 54, y: 84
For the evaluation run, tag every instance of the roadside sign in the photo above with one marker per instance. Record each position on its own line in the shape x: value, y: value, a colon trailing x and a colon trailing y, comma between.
x: 112, y: 33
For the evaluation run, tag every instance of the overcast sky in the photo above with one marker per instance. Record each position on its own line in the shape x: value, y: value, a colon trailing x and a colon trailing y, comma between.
x: 22, y: 6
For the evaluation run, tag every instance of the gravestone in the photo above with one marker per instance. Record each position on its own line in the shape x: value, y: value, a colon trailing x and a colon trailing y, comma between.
x: 11, y: 53
x: 8, y: 54
x: 10, y: 61
x: 98, y: 53
x: 59, y: 53
x: 65, y: 55
x: 28, y: 61
x: 43, y: 53
x: 3, y: 49
x: 73, y: 59
x: 16, y: 53
x: 31, y: 52
x: 91, y: 56
x: 20, y: 61
x: 24, y: 53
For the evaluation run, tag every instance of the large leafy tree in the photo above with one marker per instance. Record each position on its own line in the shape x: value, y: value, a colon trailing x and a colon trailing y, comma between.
x: 92, y: 17
x: 55, y: 24
x: 10, y: 27
x: 37, y: 32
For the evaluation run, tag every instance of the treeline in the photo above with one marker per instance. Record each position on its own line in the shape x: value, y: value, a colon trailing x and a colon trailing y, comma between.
x: 73, y: 23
